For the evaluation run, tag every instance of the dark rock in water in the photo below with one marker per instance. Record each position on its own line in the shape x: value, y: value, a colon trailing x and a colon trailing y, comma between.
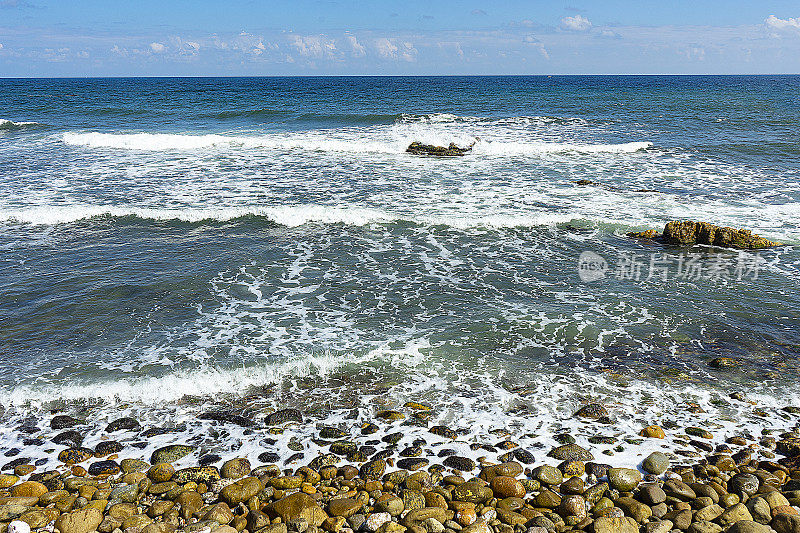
x: 383, y: 454
x: 344, y: 447
x: 598, y: 470
x: 688, y: 232
x: 209, y: 459
x: 444, y: 431
x: 139, y: 445
x: 32, y: 442
x: 40, y: 462
x: 16, y: 462
x: 446, y: 452
x: 329, y: 432
x: 570, y: 452
x: 723, y: 362
x: 412, y: 463
x: 269, y: 457
x: 103, y: 467
x: 318, y: 462
x: 171, y: 453
x: 564, y: 438
x: 284, y: 415
x: 127, y: 423
x: 417, y: 148
x: 154, y: 432
x: 63, y: 422
x: 464, y: 464
x: 69, y: 438
x: 228, y: 417
x: 586, y: 182
x: 107, y: 448
x: 294, y: 457
x: 373, y: 469
x: 76, y: 455
x: 523, y: 456
x: 12, y: 452
x: 392, y: 438
x: 593, y: 411
x: 369, y: 428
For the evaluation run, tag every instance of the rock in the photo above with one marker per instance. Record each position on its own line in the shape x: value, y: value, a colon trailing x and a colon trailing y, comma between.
x: 412, y: 463
x: 653, y: 432
x: 103, y: 467
x: 704, y: 527
x: 190, y: 502
x: 570, y: 452
x: 510, y: 469
x: 479, y: 526
x: 651, y: 494
x: 463, y: 464
x: 235, y: 468
x: 775, y: 499
x: 615, y: 524
x: 418, y: 516
x: 72, y: 456
x: 133, y: 465
x: 285, y: 415
x: 392, y: 505
x: 624, y: 479
x: 81, y: 521
x: 759, y: 509
x: 372, y: 469
x: 198, y: 474
x: 549, y: 475
x: 219, y: 513
x: 29, y: 488
x: 63, y: 422
x: 690, y: 232
x: 658, y: 526
x: 786, y: 523
x: 376, y: 520
x: 573, y: 506
x: 18, y: 526
x: 734, y: 513
x: 547, y: 499
x: 592, y: 411
x: 743, y: 484
x: 11, y: 510
x: 678, y: 489
x: 444, y: 431
x: 656, y: 463
x: 638, y: 511
x: 69, y: 438
x: 748, y: 526
x: 472, y: 492
x: 123, y: 424
x: 346, y: 507
x: 8, y: 480
x: 296, y: 506
x: 708, y: 513
x: 646, y: 234
x: 171, y: 453
x: 417, y: 148
x: 507, y: 487
x: 161, y: 472
x: 243, y: 490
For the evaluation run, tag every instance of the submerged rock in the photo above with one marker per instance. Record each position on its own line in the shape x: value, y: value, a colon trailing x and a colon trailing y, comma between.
x: 687, y: 232
x: 417, y: 148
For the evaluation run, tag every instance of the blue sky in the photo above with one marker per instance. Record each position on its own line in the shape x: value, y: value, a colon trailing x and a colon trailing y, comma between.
x: 340, y: 37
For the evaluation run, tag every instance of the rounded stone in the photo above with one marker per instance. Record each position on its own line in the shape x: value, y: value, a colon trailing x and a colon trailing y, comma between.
x: 161, y: 472
x: 624, y: 479
x: 573, y: 505
x: 507, y: 487
x: 549, y: 475
x: 235, y: 468
x: 656, y: 463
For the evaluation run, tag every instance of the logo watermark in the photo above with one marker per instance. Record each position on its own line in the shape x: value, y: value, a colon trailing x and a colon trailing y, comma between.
x: 687, y: 266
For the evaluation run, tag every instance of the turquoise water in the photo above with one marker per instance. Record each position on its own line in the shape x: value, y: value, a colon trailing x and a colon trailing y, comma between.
x: 253, y: 242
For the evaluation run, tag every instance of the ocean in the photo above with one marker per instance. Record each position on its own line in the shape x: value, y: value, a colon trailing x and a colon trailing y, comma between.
x: 187, y: 250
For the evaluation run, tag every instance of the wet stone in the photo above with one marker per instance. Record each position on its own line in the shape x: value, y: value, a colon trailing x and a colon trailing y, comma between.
x: 171, y: 453
x: 73, y: 456
x: 209, y: 459
x: 412, y: 463
x: 591, y: 411
x: 444, y: 431
x: 123, y: 424
x: 103, y: 467
x: 270, y: 457
x: 198, y: 474
x: 456, y: 462
x: 570, y: 452
x: 283, y: 416
x: 69, y: 438
x: 63, y: 422
x: 107, y: 447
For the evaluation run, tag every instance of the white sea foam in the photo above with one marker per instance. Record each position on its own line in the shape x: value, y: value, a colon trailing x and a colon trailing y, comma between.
x: 316, y: 142
x: 6, y: 124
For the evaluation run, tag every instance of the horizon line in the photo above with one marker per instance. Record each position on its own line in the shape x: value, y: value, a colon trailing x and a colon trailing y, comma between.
x: 195, y: 76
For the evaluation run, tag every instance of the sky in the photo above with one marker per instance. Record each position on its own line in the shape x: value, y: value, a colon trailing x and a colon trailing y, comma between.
x: 48, y: 38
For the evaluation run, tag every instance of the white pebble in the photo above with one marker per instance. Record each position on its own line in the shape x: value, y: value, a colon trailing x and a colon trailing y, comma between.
x: 18, y: 526
x: 376, y: 520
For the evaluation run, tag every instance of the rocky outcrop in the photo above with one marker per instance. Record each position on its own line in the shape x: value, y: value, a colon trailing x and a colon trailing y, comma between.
x: 688, y: 232
x: 417, y: 148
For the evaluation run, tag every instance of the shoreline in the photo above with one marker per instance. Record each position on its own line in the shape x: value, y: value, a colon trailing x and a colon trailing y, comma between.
x: 371, y: 479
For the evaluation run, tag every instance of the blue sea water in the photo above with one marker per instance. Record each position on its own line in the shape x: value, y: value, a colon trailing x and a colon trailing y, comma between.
x: 170, y: 246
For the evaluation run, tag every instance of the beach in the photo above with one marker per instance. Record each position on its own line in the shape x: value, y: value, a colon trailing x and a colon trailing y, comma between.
x: 255, y: 276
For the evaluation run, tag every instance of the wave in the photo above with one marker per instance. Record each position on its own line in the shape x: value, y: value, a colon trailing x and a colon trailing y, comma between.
x: 448, y: 118
x: 319, y: 143
x: 13, y: 126
x: 289, y: 216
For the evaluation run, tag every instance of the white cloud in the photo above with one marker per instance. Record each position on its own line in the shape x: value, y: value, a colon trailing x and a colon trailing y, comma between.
x: 1, y: 46
x: 776, y: 23
x: 386, y: 48
x: 358, y: 50
x: 610, y: 34
x: 536, y: 43
x: 576, y: 23
x: 313, y: 45
x: 157, y: 48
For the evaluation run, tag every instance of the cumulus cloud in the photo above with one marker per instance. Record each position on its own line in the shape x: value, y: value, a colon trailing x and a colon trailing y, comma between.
x: 157, y: 48
x: 774, y: 23
x: 576, y: 23
x: 391, y: 49
x: 313, y: 45
x: 357, y: 49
